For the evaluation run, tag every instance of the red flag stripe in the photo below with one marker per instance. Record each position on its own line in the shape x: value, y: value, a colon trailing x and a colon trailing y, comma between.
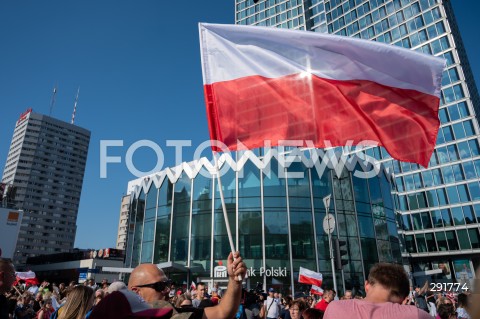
x: 295, y: 107
x: 316, y: 290
x: 307, y: 276
x: 309, y: 281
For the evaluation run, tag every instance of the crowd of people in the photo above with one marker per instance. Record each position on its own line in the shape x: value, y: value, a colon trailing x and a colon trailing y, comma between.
x: 149, y: 294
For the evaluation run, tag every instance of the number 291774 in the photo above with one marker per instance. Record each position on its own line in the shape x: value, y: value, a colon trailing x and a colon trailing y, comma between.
x: 444, y: 286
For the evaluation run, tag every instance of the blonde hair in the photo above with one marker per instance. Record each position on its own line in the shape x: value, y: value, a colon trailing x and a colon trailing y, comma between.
x: 45, y: 301
x: 79, y: 302
x: 181, y: 299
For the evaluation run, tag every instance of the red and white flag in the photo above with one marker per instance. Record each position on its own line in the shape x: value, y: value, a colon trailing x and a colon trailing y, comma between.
x: 306, y: 276
x: 28, y: 276
x: 270, y: 84
x: 25, y: 275
x: 193, y: 286
x: 316, y: 290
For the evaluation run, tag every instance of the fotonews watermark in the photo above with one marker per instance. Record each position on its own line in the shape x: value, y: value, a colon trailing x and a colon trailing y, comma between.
x: 286, y: 153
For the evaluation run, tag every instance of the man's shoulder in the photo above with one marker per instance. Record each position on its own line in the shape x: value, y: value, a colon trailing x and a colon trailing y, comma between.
x: 338, y: 308
x: 179, y: 313
x: 363, y: 309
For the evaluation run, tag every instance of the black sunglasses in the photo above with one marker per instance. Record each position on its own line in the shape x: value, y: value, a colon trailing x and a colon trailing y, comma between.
x: 158, y: 286
x: 186, y: 306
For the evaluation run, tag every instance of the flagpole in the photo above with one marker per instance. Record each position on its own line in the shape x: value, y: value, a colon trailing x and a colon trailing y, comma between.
x: 329, y: 230
x: 224, y: 208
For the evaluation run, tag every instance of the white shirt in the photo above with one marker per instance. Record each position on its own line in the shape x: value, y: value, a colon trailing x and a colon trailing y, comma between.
x: 33, y: 290
x: 273, y: 310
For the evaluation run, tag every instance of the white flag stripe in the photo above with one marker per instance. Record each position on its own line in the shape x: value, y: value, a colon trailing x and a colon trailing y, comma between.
x: 25, y: 275
x: 233, y: 51
x: 316, y: 290
x: 310, y: 273
x: 310, y: 277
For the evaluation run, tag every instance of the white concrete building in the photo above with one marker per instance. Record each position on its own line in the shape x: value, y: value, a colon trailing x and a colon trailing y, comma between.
x: 46, y: 164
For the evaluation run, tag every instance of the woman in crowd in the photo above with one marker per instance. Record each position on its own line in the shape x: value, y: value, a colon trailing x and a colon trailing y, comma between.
x: 99, y: 294
x: 183, y: 300
x: 443, y: 301
x: 446, y: 311
x: 79, y: 303
x: 61, y: 291
x: 286, y: 302
x: 462, y: 305
x: 312, y: 313
x: 430, y: 298
x: 297, y: 307
x: 46, y: 310
x: 24, y: 309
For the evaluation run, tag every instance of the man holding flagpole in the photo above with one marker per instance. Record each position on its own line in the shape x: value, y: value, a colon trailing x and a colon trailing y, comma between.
x: 151, y: 283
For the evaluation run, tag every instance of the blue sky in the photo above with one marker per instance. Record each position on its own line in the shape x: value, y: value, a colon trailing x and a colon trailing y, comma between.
x: 137, y: 64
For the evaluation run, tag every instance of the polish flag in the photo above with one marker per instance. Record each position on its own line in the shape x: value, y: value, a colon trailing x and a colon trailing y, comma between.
x: 25, y: 275
x: 270, y: 84
x: 316, y: 290
x: 28, y: 276
x: 306, y: 276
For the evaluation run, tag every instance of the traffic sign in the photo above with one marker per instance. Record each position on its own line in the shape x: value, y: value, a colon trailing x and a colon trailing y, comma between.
x: 329, y: 223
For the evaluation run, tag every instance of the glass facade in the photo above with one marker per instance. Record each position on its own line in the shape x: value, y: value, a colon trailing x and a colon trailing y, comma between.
x: 439, y: 203
x: 276, y: 217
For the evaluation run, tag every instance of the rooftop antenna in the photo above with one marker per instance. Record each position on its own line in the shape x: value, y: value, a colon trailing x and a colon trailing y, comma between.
x: 52, y: 104
x: 75, y: 106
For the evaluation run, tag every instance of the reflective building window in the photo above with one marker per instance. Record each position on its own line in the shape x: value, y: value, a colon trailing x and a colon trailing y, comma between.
x: 276, y: 214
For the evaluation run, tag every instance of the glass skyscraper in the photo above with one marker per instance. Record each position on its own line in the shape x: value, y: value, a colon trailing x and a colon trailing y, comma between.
x: 439, y: 205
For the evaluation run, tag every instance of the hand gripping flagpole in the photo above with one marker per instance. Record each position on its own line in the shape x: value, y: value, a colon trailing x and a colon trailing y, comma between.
x: 224, y: 208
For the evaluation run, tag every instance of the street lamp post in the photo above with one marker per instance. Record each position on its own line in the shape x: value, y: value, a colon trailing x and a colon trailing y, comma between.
x: 329, y: 226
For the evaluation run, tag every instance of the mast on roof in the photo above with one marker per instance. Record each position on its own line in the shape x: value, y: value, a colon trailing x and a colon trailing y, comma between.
x: 75, y: 106
x: 52, y: 103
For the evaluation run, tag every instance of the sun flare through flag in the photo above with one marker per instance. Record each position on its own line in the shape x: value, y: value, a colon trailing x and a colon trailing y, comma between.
x: 269, y: 84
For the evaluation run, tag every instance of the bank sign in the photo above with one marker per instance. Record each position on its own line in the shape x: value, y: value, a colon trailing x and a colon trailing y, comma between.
x: 221, y: 272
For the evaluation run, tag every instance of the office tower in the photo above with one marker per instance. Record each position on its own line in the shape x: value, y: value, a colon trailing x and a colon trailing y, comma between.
x: 123, y: 223
x: 439, y: 206
x: 46, y: 164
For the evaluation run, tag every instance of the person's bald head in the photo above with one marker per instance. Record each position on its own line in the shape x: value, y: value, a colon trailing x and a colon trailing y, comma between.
x: 148, y: 274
